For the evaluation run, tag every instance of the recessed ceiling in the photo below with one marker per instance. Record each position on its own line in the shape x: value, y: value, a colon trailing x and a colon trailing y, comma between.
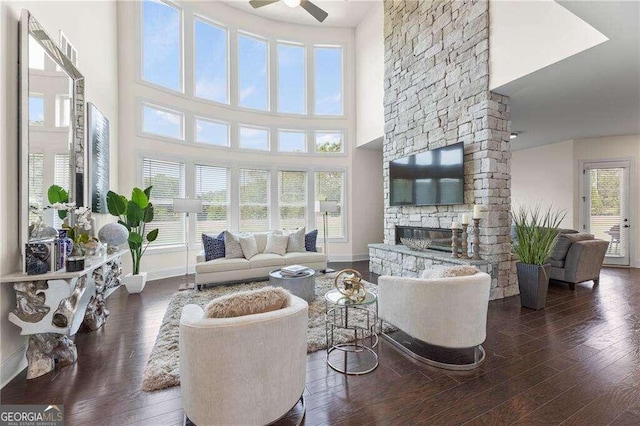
x: 342, y: 13
x: 591, y: 94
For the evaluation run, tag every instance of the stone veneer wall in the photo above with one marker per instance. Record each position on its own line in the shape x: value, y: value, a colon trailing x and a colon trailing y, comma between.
x: 436, y: 94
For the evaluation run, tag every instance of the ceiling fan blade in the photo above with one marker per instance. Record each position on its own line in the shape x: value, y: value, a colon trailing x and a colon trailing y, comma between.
x: 260, y: 3
x: 314, y: 10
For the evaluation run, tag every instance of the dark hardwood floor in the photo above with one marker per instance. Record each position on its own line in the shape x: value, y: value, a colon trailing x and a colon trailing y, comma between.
x: 576, y: 362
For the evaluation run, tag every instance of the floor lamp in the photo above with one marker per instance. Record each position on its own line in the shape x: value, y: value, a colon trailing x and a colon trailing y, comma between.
x: 326, y: 207
x: 186, y: 205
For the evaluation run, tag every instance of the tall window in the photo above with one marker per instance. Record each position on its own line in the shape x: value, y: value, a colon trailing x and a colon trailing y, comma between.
x: 212, y: 187
x: 329, y: 142
x: 254, y: 138
x: 161, y: 44
x: 162, y: 122
x: 211, y: 53
x: 291, y: 78
x: 292, y: 141
x: 292, y: 199
x: 328, y: 78
x: 253, y: 70
x: 254, y: 200
x: 167, y: 179
x: 330, y: 187
x: 212, y: 132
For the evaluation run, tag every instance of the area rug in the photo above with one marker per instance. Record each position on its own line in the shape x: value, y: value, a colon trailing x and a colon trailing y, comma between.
x: 163, y: 367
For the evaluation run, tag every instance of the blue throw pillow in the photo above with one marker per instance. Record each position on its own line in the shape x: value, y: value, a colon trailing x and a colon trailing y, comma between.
x: 310, y: 239
x: 213, y: 246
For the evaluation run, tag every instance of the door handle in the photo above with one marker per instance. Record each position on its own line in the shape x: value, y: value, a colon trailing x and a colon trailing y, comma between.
x: 625, y: 226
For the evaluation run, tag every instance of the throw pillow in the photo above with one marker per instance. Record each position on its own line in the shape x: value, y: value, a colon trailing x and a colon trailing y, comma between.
x: 561, y: 249
x: 277, y: 244
x: 310, y: 240
x: 259, y: 301
x: 455, y: 271
x: 213, y: 246
x: 249, y: 246
x: 296, y: 241
x: 233, y: 249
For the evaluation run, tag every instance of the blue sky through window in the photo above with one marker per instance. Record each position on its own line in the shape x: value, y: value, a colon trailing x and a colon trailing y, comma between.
x: 253, y: 73
x: 291, y: 141
x: 36, y: 110
x: 328, y: 75
x: 161, y: 44
x: 211, y: 132
x: 291, y: 79
x: 254, y: 138
x: 163, y: 123
x: 211, y: 62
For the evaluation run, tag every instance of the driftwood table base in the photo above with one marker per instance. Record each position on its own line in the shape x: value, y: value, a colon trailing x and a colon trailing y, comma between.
x: 47, y: 349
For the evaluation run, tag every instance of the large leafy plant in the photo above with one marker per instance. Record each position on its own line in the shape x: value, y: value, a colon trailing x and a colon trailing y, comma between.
x: 134, y: 214
x: 536, y: 233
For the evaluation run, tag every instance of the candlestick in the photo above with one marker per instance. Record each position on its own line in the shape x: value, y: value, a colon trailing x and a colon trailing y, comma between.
x: 455, y: 225
x: 476, y: 239
x: 477, y: 209
x: 465, y: 219
x: 454, y: 243
x: 465, y: 243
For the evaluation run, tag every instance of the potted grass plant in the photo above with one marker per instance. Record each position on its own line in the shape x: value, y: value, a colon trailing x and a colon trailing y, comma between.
x: 134, y: 214
x: 536, y: 233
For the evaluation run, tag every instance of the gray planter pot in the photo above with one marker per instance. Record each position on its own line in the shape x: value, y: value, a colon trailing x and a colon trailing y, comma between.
x: 533, y: 281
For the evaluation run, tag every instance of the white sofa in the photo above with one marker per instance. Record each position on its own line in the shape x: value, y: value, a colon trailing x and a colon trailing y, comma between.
x: 222, y: 271
x: 247, y: 370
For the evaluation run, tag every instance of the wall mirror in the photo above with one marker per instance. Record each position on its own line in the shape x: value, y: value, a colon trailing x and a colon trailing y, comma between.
x: 52, y: 127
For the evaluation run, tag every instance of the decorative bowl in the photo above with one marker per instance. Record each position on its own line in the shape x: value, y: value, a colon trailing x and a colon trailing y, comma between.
x: 416, y: 243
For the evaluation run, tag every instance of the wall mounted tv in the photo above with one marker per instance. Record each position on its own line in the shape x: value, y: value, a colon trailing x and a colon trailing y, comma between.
x: 430, y: 178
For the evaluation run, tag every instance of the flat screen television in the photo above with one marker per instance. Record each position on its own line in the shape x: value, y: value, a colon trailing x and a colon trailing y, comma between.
x: 430, y: 178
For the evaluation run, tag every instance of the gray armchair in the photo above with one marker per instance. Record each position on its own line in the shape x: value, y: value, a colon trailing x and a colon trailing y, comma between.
x: 576, y: 258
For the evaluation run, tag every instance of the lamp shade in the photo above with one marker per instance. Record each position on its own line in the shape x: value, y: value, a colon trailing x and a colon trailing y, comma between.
x: 327, y: 206
x: 187, y: 205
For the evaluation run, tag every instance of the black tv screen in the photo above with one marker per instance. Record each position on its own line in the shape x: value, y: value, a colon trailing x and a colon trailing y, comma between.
x: 430, y: 178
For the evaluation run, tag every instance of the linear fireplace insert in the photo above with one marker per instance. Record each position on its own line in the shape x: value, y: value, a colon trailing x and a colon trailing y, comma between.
x: 440, y: 237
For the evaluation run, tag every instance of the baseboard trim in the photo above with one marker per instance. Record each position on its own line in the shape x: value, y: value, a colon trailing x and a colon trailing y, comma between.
x: 13, y: 366
x: 349, y: 258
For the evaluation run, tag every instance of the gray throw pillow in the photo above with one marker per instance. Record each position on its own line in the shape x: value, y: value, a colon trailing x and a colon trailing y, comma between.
x: 232, y: 247
x: 564, y: 242
x: 296, y: 241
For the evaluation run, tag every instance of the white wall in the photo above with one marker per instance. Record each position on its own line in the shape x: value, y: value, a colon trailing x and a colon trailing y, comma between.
x: 527, y: 35
x: 370, y: 76
x: 544, y: 175
x: 91, y: 28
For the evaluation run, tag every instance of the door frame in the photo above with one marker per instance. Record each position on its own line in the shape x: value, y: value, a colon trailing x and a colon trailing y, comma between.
x: 584, y: 194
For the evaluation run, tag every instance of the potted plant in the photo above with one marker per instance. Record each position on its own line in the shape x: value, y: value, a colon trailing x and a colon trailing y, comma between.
x: 134, y: 214
x: 536, y: 235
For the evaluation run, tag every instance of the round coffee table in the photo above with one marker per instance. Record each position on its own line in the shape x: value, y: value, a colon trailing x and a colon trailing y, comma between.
x: 303, y: 286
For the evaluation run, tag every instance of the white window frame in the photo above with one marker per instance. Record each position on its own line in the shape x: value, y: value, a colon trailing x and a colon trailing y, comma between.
x: 305, y: 102
x: 306, y: 141
x: 155, y: 106
x: 317, y: 216
x: 192, y: 193
x: 140, y: 44
x: 196, y: 17
x: 270, y: 193
x: 266, y: 41
x: 342, y: 80
x: 308, y: 198
x: 197, y: 118
x: 249, y: 126
x: 343, y: 150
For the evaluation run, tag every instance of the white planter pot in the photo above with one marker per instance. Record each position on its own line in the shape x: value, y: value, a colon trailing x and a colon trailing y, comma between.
x: 135, y: 283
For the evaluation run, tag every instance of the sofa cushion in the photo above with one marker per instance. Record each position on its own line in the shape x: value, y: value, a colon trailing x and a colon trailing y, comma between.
x: 296, y: 241
x: 249, y: 246
x: 310, y: 240
x: 222, y: 265
x: 302, y: 258
x: 259, y: 301
x: 233, y: 249
x: 277, y: 244
x: 213, y: 246
x: 454, y: 271
x: 263, y: 260
x: 564, y: 242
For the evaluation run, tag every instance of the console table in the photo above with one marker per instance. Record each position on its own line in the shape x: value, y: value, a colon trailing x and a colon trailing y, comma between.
x: 52, y: 307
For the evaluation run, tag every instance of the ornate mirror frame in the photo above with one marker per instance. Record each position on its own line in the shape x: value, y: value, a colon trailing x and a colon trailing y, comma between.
x: 29, y: 26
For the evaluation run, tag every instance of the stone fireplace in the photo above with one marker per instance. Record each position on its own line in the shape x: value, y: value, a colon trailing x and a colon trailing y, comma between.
x: 440, y: 237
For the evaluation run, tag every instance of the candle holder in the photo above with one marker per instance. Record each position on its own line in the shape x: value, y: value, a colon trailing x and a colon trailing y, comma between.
x: 454, y: 243
x: 465, y: 242
x: 476, y: 239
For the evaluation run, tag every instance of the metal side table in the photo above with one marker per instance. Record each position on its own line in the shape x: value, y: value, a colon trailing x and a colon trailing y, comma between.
x: 343, y: 313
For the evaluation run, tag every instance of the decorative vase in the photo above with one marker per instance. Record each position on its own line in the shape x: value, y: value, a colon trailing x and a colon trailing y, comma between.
x: 135, y: 283
x: 533, y: 281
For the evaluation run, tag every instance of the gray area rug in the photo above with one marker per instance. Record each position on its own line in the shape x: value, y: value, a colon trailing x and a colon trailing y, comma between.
x: 163, y: 367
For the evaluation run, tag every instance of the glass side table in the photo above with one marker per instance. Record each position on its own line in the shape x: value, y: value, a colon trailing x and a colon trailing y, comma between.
x: 360, y: 317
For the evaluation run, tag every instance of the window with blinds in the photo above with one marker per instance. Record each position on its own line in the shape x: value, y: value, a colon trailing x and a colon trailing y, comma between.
x: 212, y: 187
x: 292, y: 198
x: 62, y: 178
x: 330, y: 187
x: 168, y: 181
x: 254, y: 200
x: 36, y: 184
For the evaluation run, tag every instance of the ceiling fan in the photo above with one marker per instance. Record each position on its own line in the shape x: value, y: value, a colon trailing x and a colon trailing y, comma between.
x: 314, y: 10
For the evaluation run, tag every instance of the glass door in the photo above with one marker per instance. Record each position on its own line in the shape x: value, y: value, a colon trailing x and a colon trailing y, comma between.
x: 606, y: 207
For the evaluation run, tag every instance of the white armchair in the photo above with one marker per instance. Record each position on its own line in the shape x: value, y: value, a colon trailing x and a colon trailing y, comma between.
x: 243, y: 370
x: 445, y: 312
